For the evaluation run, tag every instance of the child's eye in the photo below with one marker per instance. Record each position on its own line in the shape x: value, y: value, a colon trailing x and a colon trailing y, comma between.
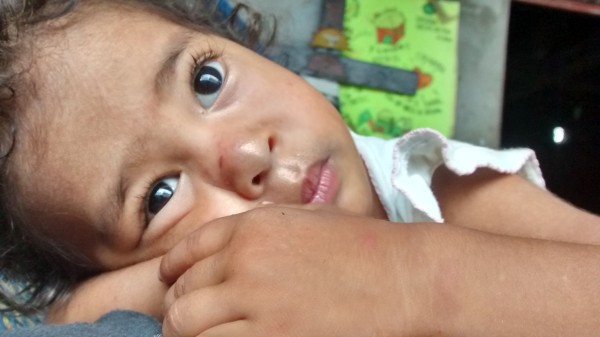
x: 208, y: 82
x: 159, y: 195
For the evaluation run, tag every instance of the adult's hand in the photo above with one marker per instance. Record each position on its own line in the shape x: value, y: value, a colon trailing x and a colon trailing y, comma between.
x: 282, y: 271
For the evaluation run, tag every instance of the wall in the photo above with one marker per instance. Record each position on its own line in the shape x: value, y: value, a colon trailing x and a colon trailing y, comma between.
x: 482, y: 61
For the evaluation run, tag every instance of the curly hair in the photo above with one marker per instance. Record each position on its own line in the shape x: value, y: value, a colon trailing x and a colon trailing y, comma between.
x: 47, y: 271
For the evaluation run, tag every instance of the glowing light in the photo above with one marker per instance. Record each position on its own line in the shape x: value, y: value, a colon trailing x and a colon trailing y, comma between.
x: 559, y: 135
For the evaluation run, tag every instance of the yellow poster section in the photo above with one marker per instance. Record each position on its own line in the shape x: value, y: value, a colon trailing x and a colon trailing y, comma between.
x: 416, y: 35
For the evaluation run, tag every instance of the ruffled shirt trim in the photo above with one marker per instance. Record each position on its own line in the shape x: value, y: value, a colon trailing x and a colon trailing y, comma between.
x: 401, y: 169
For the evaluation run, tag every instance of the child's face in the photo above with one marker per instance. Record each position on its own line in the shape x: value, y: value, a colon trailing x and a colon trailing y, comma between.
x: 142, y: 146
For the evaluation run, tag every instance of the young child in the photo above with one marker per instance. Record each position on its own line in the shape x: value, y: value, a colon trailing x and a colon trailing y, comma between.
x: 134, y: 130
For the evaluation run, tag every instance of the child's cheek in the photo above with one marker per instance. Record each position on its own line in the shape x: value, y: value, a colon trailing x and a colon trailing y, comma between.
x: 206, y: 204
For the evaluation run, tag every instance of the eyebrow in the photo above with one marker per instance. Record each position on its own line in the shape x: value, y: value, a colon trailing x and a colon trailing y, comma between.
x: 174, y: 49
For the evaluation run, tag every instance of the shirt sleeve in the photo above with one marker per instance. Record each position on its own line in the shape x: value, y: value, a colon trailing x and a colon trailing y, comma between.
x: 418, y: 153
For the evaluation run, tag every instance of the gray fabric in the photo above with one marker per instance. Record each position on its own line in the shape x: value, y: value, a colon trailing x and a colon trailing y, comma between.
x: 113, y: 324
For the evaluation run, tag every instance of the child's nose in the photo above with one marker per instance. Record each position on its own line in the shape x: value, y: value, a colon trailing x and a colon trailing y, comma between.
x: 245, y: 166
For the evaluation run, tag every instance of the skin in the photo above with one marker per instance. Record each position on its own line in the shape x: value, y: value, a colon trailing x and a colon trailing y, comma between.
x: 429, y: 280
x: 254, y: 144
x: 233, y: 265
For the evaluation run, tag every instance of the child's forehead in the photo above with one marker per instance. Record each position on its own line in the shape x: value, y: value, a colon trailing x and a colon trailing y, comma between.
x: 104, y: 55
x: 97, y: 21
x: 82, y: 66
x: 97, y: 39
x: 81, y: 71
x: 104, y: 18
x: 65, y: 55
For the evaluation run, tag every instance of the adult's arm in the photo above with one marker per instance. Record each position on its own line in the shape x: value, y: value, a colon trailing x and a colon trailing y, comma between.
x: 507, y: 204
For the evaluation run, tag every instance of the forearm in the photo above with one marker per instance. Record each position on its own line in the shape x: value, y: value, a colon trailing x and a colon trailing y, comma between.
x: 490, y: 285
x: 509, y: 205
x: 135, y: 288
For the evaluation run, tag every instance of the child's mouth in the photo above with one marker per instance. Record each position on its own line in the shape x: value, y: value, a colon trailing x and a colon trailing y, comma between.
x: 321, y: 184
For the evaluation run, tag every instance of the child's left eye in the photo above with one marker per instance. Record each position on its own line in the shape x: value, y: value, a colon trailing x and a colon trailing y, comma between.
x: 160, y: 195
x: 208, y: 82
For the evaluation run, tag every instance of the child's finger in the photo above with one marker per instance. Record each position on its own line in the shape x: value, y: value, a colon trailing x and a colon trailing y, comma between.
x: 205, y: 273
x: 199, y: 311
x: 234, y: 329
x: 196, y: 246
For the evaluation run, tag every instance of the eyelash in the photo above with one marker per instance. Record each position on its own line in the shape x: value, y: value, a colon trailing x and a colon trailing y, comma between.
x: 199, y: 61
x: 143, y: 200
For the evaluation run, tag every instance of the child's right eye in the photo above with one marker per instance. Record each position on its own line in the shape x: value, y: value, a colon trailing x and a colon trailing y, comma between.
x: 159, y: 195
x: 208, y: 82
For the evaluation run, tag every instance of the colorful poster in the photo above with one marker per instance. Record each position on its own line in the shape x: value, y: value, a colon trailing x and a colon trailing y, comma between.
x: 418, y: 35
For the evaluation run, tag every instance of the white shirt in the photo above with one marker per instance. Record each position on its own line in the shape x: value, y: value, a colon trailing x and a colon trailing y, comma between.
x: 401, y: 169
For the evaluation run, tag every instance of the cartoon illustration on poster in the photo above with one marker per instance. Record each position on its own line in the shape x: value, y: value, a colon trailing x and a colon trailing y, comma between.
x: 390, y: 26
x: 419, y: 35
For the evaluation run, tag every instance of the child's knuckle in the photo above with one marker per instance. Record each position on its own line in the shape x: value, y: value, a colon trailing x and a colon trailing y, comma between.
x: 173, y: 322
x: 179, y: 288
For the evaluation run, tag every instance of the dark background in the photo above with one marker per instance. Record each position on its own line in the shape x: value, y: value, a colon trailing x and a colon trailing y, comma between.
x: 553, y: 80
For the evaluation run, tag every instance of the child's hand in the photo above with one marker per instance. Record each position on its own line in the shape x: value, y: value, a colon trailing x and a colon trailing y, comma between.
x: 281, y: 271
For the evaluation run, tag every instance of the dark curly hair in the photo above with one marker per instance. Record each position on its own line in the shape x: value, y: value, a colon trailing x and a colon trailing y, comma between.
x: 47, y: 271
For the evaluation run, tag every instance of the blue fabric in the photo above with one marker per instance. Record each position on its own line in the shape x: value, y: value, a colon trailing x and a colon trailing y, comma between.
x: 11, y: 320
x: 113, y: 324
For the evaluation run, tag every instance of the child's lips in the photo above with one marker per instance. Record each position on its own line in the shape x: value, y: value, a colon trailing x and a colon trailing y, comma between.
x: 320, y: 184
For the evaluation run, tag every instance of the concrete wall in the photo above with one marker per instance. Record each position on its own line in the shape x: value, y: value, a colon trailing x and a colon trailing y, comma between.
x: 482, y: 60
